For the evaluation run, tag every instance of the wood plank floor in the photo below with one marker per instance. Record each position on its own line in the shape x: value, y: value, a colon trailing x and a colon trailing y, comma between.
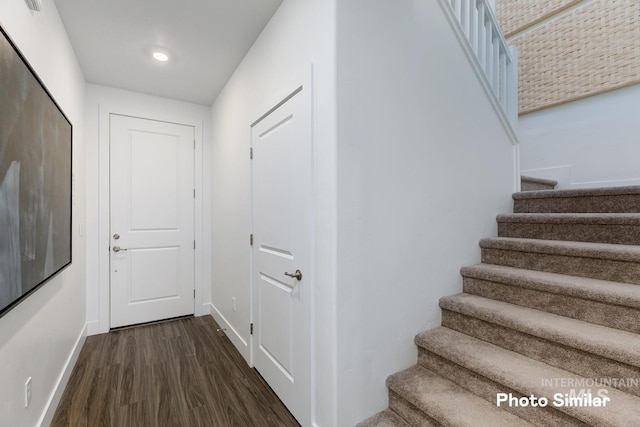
x: 175, y: 373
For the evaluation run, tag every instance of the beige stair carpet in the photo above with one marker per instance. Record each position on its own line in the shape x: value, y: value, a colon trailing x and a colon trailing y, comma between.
x: 551, y: 317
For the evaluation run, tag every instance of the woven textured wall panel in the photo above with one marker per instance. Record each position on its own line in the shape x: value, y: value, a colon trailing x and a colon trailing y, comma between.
x: 516, y: 15
x: 593, y: 49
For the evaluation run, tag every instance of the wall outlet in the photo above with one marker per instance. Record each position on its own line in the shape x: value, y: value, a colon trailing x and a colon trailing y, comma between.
x: 233, y: 303
x: 27, y: 393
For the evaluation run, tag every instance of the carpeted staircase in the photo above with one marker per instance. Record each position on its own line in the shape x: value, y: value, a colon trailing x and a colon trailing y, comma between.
x: 553, y: 308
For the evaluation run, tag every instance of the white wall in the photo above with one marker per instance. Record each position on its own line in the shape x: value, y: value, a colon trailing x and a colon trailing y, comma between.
x: 39, y: 337
x: 594, y: 142
x: 424, y: 165
x: 101, y: 100
x: 301, y: 32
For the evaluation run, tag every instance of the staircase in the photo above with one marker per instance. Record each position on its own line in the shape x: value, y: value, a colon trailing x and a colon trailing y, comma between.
x: 553, y: 308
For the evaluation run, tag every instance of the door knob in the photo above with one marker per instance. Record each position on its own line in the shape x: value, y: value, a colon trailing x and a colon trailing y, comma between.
x: 296, y: 275
x: 118, y: 249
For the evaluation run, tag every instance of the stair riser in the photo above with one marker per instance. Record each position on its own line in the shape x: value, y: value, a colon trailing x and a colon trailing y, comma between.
x: 410, y: 412
x: 623, y: 203
x: 597, y: 233
x: 535, y: 186
x: 583, y: 363
x: 386, y: 418
x: 613, y: 270
x: 488, y: 389
x: 613, y: 316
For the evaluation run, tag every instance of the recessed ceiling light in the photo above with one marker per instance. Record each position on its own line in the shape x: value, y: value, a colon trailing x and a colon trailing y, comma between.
x: 162, y: 57
x: 35, y: 5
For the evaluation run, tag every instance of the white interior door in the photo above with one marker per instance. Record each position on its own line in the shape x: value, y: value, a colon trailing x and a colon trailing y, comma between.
x: 152, y: 220
x: 282, y: 194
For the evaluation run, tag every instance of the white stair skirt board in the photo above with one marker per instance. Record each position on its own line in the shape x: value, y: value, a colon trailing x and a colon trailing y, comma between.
x: 564, y: 176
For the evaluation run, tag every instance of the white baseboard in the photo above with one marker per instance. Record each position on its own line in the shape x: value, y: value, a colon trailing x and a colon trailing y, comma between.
x: 240, y: 343
x: 56, y: 395
x: 93, y: 328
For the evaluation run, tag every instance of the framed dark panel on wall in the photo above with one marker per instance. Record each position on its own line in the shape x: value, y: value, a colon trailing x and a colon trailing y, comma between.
x: 35, y: 180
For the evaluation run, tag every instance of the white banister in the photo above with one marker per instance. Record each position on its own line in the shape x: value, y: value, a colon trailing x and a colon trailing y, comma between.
x: 476, y: 21
x: 512, y: 86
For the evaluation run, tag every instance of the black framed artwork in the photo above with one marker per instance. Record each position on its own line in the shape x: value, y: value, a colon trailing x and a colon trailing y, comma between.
x: 35, y: 180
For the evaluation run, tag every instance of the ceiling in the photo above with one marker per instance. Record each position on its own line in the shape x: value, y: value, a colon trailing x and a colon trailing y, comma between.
x: 205, y: 40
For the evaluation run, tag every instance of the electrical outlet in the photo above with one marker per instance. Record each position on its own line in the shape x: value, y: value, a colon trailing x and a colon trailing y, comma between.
x: 27, y: 393
x: 233, y: 301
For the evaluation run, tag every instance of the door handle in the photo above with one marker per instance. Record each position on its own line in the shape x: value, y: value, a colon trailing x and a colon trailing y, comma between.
x: 118, y: 249
x: 296, y: 275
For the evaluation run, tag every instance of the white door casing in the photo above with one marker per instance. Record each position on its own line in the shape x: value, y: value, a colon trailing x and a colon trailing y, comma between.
x: 152, y: 214
x: 282, y: 195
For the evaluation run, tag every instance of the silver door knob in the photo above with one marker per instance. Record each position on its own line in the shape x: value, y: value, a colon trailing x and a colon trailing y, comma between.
x: 296, y: 275
x: 118, y: 249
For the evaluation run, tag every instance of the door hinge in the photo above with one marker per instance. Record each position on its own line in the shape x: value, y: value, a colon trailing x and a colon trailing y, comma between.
x: 251, y: 153
x: 251, y: 329
x: 194, y: 294
x: 194, y: 144
x: 194, y: 244
x: 251, y: 239
x: 194, y: 193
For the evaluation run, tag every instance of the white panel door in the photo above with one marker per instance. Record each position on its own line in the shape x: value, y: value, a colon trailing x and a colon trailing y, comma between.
x: 282, y: 195
x: 152, y: 220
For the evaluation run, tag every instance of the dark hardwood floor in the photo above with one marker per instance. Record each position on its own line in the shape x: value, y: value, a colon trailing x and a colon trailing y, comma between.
x: 175, y: 373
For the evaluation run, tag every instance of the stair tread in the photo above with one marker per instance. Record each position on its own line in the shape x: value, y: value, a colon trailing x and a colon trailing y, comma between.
x: 525, y: 375
x: 582, y: 287
x: 611, y: 343
x: 582, y: 192
x: 442, y: 399
x: 559, y: 247
x: 572, y: 218
x: 386, y: 418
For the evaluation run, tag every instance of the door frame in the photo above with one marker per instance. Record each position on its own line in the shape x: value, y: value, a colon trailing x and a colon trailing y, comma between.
x: 302, y: 86
x: 104, y: 239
